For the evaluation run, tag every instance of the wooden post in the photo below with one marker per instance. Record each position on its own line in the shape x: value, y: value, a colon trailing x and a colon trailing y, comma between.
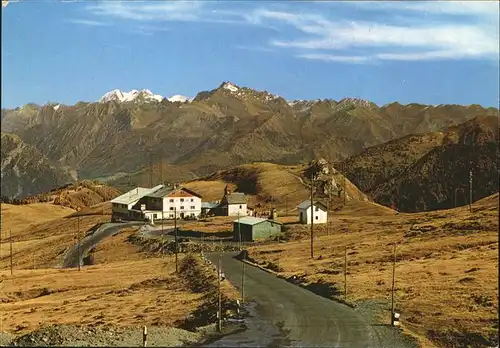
x: 144, y: 336
x: 11, y: 264
x: 393, y: 283
x: 345, y: 273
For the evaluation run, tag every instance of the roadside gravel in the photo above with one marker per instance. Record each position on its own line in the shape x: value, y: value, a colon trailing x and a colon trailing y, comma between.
x: 107, y: 336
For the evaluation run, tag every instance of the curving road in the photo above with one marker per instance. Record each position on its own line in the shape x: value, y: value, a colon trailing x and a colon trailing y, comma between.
x: 306, y: 318
x: 73, y: 257
x: 281, y: 314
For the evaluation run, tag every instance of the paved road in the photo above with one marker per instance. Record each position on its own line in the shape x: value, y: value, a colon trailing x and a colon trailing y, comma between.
x: 307, y: 319
x: 106, y: 230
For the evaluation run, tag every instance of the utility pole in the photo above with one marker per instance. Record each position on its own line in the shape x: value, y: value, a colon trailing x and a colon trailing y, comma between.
x: 328, y: 211
x: 162, y: 232
x: 239, y: 231
x: 393, y: 282
x: 10, y: 242
x: 470, y: 189
x: 150, y: 170
x: 312, y: 217
x: 345, y: 273
x: 219, y: 314
x: 344, y: 181
x: 79, y: 239
x: 161, y: 170
x: 176, y: 245
x: 243, y: 280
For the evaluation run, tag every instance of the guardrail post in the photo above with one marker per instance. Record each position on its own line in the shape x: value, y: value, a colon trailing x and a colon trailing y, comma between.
x: 144, y: 336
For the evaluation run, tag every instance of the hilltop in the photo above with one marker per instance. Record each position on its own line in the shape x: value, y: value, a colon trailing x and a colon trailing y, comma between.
x: 422, y: 171
x: 218, y: 129
x: 279, y: 186
x: 79, y: 195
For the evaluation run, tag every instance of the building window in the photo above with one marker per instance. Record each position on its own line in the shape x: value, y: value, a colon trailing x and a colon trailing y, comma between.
x: 193, y: 207
x: 182, y: 207
x: 192, y: 200
x: 171, y: 200
x: 171, y: 208
x: 317, y: 217
x: 171, y: 215
x: 317, y: 208
x: 154, y: 216
x: 241, y: 206
x: 182, y: 199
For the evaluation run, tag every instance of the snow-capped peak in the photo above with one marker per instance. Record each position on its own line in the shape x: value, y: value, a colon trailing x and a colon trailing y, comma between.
x: 56, y: 107
x: 117, y: 95
x: 178, y: 98
x: 230, y: 86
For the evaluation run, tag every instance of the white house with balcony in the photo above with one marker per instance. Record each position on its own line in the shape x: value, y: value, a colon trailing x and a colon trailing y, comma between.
x: 121, y: 206
x: 319, y: 212
x: 167, y: 202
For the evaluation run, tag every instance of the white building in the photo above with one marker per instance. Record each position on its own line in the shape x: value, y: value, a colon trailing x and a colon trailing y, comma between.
x: 319, y: 209
x: 167, y: 202
x: 121, y: 206
x: 232, y: 204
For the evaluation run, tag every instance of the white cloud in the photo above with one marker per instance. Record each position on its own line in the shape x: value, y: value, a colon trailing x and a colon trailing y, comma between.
x: 450, y: 38
x: 393, y: 30
x: 334, y: 58
x: 88, y: 22
x: 148, y: 11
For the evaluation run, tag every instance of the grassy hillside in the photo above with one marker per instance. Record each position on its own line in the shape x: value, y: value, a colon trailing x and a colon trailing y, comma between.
x: 446, y: 269
x: 16, y: 218
x: 41, y: 239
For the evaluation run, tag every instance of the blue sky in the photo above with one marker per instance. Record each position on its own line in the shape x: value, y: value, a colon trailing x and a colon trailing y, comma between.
x: 425, y: 52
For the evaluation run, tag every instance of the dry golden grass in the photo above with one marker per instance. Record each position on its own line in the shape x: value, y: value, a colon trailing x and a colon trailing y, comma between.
x: 145, y: 292
x: 210, y: 190
x: 43, y: 244
x: 16, y: 218
x: 86, y: 194
x: 446, y: 274
x: 211, y: 224
x: 117, y: 249
x: 258, y: 180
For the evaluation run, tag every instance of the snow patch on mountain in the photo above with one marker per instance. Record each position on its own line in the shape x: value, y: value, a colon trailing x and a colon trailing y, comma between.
x: 133, y: 95
x: 230, y: 87
x: 56, y: 107
x: 179, y: 98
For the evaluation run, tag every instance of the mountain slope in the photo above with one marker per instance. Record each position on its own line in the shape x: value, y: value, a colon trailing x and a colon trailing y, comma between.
x: 221, y: 128
x: 25, y: 171
x: 421, y: 171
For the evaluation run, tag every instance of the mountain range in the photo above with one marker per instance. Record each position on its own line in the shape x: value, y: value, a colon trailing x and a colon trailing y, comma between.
x: 124, y: 134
